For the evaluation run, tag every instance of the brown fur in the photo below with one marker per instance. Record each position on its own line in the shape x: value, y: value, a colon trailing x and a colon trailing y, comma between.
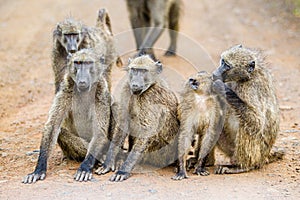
x: 148, y: 117
x: 79, y: 118
x: 201, y: 116
x: 252, y: 120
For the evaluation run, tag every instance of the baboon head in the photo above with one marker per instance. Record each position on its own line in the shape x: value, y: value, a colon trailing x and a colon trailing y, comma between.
x: 236, y: 64
x: 70, y: 34
x: 200, y: 83
x: 143, y: 73
x: 85, y: 68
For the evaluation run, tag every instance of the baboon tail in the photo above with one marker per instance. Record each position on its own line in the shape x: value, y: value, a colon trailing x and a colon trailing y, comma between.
x: 276, y: 154
x: 103, y: 20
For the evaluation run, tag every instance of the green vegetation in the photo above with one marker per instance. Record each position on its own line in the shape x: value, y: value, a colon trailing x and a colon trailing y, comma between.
x: 295, y: 7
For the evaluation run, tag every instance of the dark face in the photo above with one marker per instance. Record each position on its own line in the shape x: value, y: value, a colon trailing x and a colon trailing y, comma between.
x: 140, y: 80
x: 71, y: 41
x: 201, y: 82
x: 84, y: 74
x: 228, y: 72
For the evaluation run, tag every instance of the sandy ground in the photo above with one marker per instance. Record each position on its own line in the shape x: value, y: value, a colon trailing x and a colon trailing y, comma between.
x: 207, y: 28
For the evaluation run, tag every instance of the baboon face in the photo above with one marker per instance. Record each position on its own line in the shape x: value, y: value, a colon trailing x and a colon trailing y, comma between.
x: 200, y: 83
x: 70, y: 34
x: 142, y: 72
x: 84, y: 69
x: 236, y: 64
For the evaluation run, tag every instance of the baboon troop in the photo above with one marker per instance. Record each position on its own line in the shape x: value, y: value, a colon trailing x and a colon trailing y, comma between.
x: 233, y: 109
x: 147, y: 114
x: 149, y: 19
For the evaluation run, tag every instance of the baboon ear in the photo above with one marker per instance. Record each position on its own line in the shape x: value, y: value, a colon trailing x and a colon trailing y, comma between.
x: 251, y: 66
x: 58, y: 29
x: 84, y: 31
x: 159, y: 67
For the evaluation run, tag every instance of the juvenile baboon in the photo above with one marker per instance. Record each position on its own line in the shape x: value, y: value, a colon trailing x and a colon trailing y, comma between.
x: 201, y: 113
x: 148, y: 115
x: 71, y: 35
x: 79, y: 117
x: 148, y: 20
x: 252, y: 118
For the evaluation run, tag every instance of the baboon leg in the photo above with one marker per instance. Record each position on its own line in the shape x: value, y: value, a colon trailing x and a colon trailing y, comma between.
x: 185, y: 142
x: 211, y: 158
x: 139, y: 26
x: 209, y: 141
x: 134, y: 157
x: 73, y: 147
x: 173, y: 29
x: 156, y: 27
x: 231, y: 169
x: 59, y: 108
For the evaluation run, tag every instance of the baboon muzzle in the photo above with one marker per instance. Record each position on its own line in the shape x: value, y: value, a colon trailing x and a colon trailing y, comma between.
x: 136, y: 89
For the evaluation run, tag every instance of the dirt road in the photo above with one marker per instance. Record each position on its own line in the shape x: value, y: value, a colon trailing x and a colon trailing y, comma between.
x: 26, y: 93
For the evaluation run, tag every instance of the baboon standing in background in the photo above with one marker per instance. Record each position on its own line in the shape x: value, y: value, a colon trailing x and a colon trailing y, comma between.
x: 79, y: 117
x: 201, y: 113
x: 252, y: 118
x: 70, y: 36
x: 148, y: 20
x: 147, y: 113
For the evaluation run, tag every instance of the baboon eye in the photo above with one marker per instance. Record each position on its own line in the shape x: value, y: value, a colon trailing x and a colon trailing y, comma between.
x: 134, y: 71
x: 225, y: 65
x: 77, y: 40
x: 251, y: 66
x: 65, y: 40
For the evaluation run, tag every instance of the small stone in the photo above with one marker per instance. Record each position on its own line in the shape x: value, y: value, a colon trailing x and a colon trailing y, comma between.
x: 4, y: 155
x: 152, y: 191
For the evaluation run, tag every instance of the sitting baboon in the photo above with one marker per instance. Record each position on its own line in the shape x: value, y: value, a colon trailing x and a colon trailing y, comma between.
x: 71, y: 35
x: 79, y: 117
x: 252, y: 118
x: 147, y: 113
x: 148, y: 20
x: 201, y: 114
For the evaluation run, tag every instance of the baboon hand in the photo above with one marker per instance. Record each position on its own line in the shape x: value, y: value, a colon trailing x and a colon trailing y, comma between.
x: 219, y: 87
x: 105, y: 169
x: 119, y: 176
x: 34, y: 177
x: 83, y: 175
x: 179, y: 176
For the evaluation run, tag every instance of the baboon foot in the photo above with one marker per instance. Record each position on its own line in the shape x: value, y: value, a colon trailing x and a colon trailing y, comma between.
x: 105, y: 169
x: 34, y: 177
x: 230, y: 169
x: 179, y: 176
x: 202, y: 171
x: 83, y: 175
x: 170, y: 53
x: 119, y: 176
